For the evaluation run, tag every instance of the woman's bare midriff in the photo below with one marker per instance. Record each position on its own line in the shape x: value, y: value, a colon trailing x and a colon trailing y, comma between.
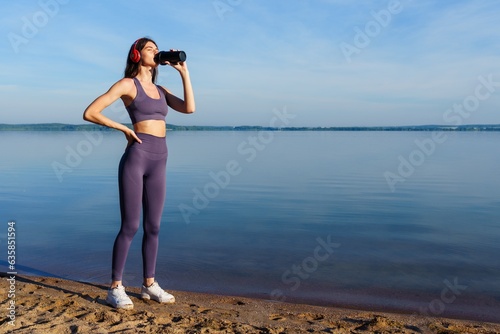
x: 151, y: 127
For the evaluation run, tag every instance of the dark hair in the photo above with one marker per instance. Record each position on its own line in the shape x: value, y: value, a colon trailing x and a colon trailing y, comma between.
x: 132, y: 69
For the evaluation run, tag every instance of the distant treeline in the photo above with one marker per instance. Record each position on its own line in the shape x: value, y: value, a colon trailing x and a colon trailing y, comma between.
x: 171, y: 127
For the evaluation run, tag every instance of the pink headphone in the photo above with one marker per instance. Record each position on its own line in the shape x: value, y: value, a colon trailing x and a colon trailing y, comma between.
x: 135, y: 55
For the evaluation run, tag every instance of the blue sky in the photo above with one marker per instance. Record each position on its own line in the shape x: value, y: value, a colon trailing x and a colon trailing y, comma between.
x: 326, y: 62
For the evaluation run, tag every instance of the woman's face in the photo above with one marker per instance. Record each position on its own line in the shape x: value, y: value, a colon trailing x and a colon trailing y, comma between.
x: 148, y: 53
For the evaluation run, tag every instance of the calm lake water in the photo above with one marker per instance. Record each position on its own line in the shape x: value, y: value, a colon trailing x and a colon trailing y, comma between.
x: 400, y: 221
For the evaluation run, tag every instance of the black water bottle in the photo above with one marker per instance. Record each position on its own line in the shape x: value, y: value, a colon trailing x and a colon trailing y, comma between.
x: 173, y: 57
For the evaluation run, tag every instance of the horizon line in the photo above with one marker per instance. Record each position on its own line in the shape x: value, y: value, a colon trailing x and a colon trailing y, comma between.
x: 266, y: 127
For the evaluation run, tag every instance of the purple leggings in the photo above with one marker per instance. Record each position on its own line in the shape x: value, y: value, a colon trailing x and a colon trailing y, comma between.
x: 142, y: 183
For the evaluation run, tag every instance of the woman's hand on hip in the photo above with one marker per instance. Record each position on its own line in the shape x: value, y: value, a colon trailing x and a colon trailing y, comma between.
x: 131, y: 137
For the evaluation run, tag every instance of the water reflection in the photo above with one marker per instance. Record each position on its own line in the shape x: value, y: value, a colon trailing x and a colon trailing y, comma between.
x: 441, y: 223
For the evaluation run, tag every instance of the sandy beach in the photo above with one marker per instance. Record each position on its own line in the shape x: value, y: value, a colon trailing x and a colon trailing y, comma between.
x: 53, y: 305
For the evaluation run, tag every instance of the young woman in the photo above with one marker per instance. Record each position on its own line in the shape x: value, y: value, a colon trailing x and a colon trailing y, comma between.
x: 142, y: 169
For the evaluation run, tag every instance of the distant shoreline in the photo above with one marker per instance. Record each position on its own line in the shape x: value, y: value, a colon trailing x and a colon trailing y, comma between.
x: 171, y: 127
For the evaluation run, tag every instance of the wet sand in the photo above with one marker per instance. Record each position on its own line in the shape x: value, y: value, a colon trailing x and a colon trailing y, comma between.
x: 53, y: 305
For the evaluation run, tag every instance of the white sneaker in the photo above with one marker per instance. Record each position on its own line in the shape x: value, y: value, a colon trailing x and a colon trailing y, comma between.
x: 117, y: 297
x: 156, y: 293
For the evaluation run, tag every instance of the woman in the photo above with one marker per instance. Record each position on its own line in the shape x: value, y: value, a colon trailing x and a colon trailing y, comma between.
x: 142, y: 169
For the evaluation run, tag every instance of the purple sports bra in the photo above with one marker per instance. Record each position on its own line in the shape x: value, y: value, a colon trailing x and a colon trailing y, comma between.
x: 145, y: 108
